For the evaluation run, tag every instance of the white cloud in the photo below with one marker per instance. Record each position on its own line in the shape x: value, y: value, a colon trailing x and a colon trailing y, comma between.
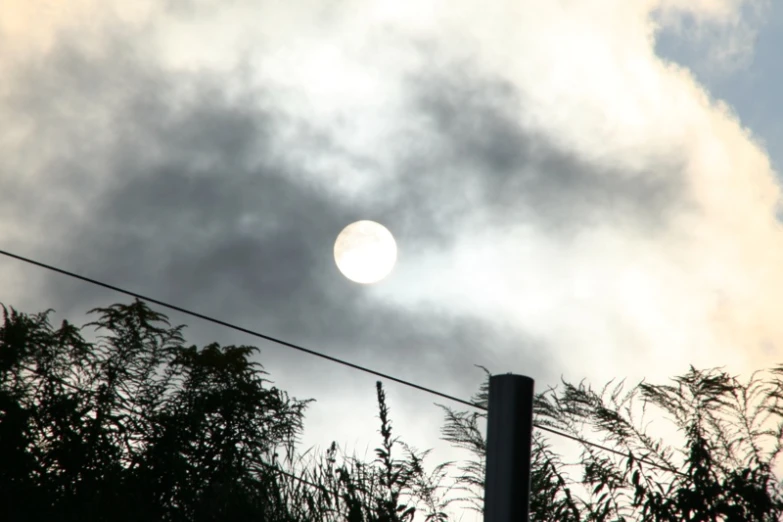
x: 613, y: 300
x: 589, y: 80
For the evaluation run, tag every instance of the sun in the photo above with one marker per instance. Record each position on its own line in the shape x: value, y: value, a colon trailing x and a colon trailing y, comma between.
x: 365, y: 252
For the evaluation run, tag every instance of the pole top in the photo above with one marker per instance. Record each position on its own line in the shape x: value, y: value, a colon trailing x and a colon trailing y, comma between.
x: 510, y: 375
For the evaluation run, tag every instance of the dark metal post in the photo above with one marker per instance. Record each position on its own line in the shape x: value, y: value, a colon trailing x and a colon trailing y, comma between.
x: 509, y: 440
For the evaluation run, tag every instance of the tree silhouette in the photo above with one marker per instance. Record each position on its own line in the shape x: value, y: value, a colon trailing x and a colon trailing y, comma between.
x: 136, y: 425
x: 733, y: 435
x: 139, y: 426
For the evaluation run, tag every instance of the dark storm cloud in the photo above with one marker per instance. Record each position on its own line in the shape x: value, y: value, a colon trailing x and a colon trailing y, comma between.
x: 521, y: 177
x: 200, y: 204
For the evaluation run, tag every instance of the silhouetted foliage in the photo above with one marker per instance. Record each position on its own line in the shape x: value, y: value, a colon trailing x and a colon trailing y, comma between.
x: 389, y: 489
x: 733, y: 437
x: 139, y: 426
x: 136, y: 425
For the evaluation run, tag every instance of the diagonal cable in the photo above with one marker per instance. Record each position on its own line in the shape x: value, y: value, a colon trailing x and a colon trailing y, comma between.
x: 238, y: 328
x: 311, y: 352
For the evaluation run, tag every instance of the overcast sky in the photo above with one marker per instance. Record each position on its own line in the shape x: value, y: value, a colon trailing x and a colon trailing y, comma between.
x: 584, y: 188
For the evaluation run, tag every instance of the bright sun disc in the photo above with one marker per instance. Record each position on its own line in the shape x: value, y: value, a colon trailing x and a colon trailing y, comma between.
x: 365, y: 252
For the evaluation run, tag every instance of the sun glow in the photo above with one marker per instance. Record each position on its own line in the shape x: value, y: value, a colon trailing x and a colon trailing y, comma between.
x: 365, y: 252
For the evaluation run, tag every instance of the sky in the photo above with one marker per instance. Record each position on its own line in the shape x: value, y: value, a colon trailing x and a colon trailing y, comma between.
x: 577, y: 188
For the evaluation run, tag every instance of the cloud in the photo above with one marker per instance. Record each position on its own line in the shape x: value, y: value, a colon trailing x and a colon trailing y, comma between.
x: 542, y: 173
x: 565, y: 201
x: 186, y: 193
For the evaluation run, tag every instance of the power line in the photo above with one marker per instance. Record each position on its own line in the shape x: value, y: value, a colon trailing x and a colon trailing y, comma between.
x: 239, y: 328
x: 605, y: 448
x: 309, y: 351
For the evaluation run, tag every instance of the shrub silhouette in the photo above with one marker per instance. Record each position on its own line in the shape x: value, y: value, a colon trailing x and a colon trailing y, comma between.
x: 138, y: 425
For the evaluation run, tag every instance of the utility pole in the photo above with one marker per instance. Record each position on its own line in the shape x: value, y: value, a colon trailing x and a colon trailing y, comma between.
x: 509, y: 440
